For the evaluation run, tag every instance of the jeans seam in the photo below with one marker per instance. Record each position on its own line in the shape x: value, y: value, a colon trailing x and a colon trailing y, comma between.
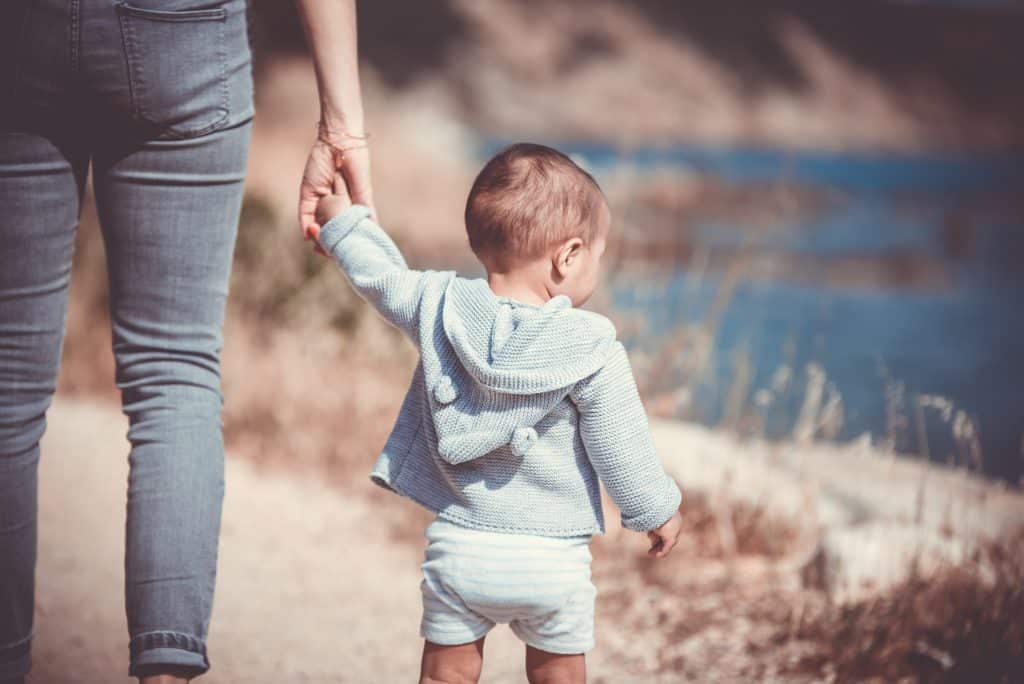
x: 174, y: 16
x: 134, y: 68
x: 74, y: 30
x: 225, y: 93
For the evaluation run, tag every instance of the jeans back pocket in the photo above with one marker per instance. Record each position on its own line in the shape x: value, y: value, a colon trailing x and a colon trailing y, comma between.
x: 177, y: 68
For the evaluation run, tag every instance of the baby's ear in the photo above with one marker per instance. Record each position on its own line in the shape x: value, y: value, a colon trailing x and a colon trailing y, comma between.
x: 567, y: 255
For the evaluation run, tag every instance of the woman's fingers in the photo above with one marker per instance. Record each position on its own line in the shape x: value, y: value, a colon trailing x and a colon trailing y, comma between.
x: 307, y: 209
x: 328, y: 173
x: 356, y: 172
x: 318, y: 180
x: 339, y: 185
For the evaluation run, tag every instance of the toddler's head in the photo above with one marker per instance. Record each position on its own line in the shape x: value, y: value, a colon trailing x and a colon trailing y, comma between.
x: 534, y: 214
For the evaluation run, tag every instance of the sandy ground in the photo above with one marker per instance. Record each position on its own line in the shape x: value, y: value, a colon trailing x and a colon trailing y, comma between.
x: 314, y: 585
x: 291, y: 606
x: 320, y: 585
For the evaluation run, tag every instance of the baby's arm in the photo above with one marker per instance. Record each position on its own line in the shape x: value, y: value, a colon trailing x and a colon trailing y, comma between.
x: 615, y: 433
x: 371, y: 261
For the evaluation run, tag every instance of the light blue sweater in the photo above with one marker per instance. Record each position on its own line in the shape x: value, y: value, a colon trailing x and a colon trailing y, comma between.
x: 515, y: 411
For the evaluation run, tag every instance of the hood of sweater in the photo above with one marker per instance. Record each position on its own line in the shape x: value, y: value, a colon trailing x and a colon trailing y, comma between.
x: 504, y: 365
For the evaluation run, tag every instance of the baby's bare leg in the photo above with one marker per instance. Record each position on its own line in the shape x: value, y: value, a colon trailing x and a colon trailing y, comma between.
x: 555, y: 668
x: 452, y: 664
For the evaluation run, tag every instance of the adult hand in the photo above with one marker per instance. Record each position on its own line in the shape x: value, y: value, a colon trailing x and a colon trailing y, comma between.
x: 332, y: 169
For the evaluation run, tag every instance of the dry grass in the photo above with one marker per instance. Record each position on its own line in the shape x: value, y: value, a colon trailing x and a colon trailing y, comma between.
x: 705, y: 614
x: 313, y: 376
x: 963, y: 626
x: 310, y: 401
x: 708, y: 612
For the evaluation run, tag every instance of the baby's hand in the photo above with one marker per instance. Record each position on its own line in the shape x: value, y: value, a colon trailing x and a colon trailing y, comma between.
x: 330, y: 206
x: 664, y: 539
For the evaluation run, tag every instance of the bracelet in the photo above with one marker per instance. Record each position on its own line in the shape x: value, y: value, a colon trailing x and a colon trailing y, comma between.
x: 323, y: 132
x: 324, y: 135
x: 339, y: 152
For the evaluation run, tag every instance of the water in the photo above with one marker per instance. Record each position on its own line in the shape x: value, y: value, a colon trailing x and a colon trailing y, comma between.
x: 895, y: 352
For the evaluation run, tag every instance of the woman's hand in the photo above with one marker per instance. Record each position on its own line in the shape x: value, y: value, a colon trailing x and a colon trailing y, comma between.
x: 347, y: 160
x: 334, y: 169
x: 317, y: 181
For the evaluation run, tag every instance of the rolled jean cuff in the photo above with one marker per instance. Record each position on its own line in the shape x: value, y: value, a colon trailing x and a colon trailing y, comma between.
x: 175, y: 650
x: 16, y: 660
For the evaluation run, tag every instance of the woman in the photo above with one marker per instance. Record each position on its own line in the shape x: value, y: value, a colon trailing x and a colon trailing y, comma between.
x: 155, y: 96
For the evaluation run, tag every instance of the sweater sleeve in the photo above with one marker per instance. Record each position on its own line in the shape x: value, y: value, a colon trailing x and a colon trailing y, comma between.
x: 615, y: 433
x: 374, y: 265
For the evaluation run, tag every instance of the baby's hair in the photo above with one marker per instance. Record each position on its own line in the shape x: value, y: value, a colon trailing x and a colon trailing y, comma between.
x: 527, y: 198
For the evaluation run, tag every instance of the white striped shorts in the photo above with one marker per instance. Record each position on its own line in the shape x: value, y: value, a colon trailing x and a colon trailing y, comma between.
x: 540, y: 586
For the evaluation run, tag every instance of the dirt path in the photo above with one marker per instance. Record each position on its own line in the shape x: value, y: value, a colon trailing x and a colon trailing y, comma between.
x: 314, y: 587
x: 291, y: 604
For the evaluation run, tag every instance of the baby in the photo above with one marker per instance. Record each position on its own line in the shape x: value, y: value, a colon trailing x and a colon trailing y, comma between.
x: 520, y: 405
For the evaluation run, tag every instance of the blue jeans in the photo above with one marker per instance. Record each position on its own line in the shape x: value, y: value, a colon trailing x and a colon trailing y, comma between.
x: 157, y: 98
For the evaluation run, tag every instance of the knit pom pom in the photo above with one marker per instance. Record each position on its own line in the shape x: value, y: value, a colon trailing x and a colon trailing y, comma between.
x: 523, y: 438
x: 444, y: 391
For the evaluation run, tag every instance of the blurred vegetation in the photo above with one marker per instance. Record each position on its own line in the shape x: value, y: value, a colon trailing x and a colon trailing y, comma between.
x: 716, y: 612
x: 964, y: 626
x: 899, y: 75
x: 312, y: 375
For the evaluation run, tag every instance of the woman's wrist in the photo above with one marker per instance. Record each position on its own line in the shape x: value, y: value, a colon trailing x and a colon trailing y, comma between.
x: 334, y: 126
x: 340, y: 141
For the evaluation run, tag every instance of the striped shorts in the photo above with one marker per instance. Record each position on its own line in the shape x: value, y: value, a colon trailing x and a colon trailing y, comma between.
x: 540, y: 586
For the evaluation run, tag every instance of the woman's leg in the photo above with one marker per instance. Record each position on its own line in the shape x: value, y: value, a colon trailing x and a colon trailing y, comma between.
x: 172, y: 90
x: 169, y: 214
x: 555, y: 668
x: 41, y: 179
x: 460, y: 664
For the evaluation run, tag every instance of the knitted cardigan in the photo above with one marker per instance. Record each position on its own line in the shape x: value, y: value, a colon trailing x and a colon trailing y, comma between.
x: 515, y: 412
